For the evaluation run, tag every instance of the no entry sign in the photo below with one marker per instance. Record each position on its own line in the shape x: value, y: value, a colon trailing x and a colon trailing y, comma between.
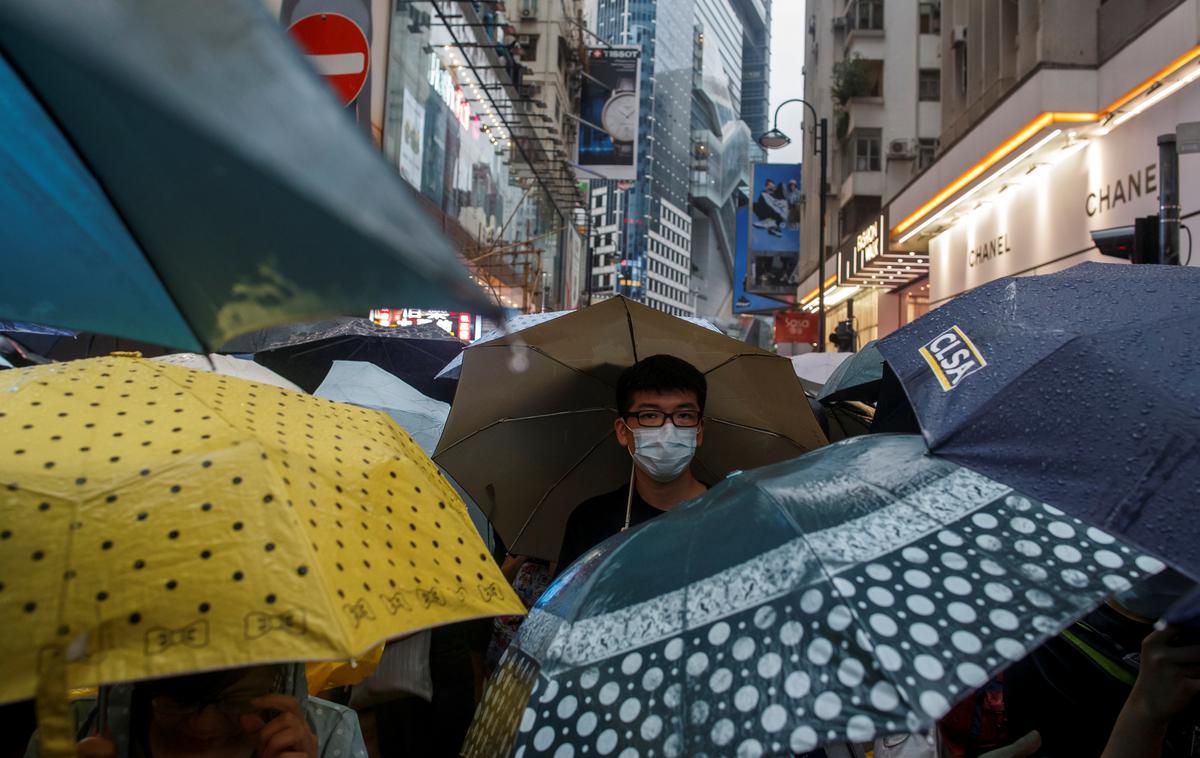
x: 339, y: 50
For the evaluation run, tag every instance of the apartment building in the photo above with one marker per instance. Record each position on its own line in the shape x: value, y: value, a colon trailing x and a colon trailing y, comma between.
x: 874, y: 69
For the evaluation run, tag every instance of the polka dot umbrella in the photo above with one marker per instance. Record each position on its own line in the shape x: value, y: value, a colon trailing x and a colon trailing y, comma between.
x: 859, y: 590
x: 156, y: 520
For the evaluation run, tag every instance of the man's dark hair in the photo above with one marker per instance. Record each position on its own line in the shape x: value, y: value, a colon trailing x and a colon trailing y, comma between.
x: 660, y: 373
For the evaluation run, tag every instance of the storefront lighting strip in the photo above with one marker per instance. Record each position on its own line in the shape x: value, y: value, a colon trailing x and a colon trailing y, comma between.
x: 830, y: 282
x: 991, y: 159
x: 1047, y: 119
x: 1150, y: 81
x: 833, y: 296
x: 1163, y: 92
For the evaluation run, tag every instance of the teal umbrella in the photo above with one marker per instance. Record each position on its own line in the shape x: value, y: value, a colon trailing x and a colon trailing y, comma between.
x: 859, y: 590
x: 175, y: 172
x: 857, y: 378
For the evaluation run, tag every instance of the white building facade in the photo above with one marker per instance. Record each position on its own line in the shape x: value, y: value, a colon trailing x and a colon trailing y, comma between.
x: 1067, y: 152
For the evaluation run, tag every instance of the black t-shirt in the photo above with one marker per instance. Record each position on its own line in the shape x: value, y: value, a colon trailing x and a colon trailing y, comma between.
x: 599, y: 518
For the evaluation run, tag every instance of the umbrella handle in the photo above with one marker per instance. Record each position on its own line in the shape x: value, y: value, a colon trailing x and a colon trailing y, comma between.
x: 102, y: 712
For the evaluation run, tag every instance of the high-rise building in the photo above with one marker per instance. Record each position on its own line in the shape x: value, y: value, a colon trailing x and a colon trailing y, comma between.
x: 873, y: 70
x: 469, y: 101
x: 641, y: 231
x: 720, y: 153
x: 755, y: 94
x: 548, y: 38
x: 668, y: 237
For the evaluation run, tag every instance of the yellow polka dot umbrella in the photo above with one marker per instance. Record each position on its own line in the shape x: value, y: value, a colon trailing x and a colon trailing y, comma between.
x: 156, y: 520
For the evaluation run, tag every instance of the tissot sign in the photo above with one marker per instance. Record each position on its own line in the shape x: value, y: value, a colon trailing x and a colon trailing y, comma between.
x: 1045, y: 222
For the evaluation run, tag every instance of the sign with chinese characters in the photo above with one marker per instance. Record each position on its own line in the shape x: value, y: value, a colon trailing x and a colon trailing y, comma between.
x: 464, y: 326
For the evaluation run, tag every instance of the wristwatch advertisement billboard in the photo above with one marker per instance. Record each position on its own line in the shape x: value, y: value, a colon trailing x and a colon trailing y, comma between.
x: 609, y: 113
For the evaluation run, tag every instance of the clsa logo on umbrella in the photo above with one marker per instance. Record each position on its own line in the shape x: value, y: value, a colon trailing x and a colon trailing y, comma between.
x: 952, y: 357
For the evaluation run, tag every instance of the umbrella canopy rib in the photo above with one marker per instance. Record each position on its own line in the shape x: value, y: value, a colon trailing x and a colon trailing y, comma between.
x: 544, y: 354
x: 554, y: 486
x: 535, y: 417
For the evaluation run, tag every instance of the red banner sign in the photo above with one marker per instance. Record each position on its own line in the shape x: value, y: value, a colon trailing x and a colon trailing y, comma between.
x: 795, y: 326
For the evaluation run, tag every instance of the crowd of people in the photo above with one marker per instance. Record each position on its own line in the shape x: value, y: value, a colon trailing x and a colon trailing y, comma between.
x: 1115, y: 684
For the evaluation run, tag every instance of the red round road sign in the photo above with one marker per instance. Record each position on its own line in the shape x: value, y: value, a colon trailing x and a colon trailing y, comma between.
x: 339, y: 50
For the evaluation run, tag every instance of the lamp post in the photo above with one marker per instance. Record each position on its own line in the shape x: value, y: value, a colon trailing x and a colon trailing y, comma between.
x: 775, y: 139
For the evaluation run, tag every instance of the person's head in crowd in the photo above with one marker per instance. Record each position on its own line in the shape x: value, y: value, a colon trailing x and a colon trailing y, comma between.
x: 660, y: 407
x: 250, y: 711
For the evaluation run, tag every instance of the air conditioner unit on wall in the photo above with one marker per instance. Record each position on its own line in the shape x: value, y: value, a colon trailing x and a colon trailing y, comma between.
x: 902, y: 150
x: 839, y: 24
x: 528, y: 13
x: 958, y: 36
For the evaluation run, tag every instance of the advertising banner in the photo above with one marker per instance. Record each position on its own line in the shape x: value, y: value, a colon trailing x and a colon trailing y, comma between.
x: 796, y: 326
x: 609, y: 113
x: 745, y: 302
x: 774, y: 235
x: 412, y: 137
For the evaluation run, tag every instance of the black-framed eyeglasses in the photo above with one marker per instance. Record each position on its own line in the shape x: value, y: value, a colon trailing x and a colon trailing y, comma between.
x: 686, y: 419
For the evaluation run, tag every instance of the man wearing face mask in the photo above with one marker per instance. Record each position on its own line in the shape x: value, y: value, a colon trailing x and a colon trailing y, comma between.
x: 660, y: 410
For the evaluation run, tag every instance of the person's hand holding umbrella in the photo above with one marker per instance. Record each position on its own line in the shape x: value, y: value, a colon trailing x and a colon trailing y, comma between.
x: 287, y: 735
x: 1168, y: 682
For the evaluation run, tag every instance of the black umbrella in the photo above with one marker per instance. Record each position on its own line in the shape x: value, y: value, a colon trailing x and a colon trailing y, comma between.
x: 304, y: 353
x: 72, y: 346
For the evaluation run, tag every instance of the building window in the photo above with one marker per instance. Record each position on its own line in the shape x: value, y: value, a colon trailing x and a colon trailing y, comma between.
x: 867, y: 14
x: 529, y: 47
x: 960, y: 52
x: 864, y: 153
x: 929, y: 85
x: 930, y: 15
x: 926, y: 153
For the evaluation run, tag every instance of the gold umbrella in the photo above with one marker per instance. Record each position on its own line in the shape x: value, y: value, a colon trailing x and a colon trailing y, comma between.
x: 156, y: 520
x: 530, y: 434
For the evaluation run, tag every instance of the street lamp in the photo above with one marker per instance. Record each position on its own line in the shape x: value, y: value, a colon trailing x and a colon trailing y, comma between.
x: 775, y: 139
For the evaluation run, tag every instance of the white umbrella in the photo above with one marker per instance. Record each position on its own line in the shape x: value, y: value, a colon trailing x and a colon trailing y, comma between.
x: 229, y: 366
x: 814, y: 369
x: 365, y: 384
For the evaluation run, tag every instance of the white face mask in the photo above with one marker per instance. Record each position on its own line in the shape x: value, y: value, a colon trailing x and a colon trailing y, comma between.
x: 664, y: 452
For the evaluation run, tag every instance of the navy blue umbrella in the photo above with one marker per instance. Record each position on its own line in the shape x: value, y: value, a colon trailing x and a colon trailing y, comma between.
x: 1079, y: 388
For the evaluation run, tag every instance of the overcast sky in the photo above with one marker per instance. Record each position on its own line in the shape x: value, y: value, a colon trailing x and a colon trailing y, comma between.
x: 787, y: 59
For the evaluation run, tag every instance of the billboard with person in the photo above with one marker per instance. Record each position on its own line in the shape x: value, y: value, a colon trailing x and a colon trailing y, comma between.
x: 774, y: 237
x: 747, y: 302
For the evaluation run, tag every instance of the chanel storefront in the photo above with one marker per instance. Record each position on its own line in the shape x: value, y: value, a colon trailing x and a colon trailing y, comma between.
x: 1069, y: 152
